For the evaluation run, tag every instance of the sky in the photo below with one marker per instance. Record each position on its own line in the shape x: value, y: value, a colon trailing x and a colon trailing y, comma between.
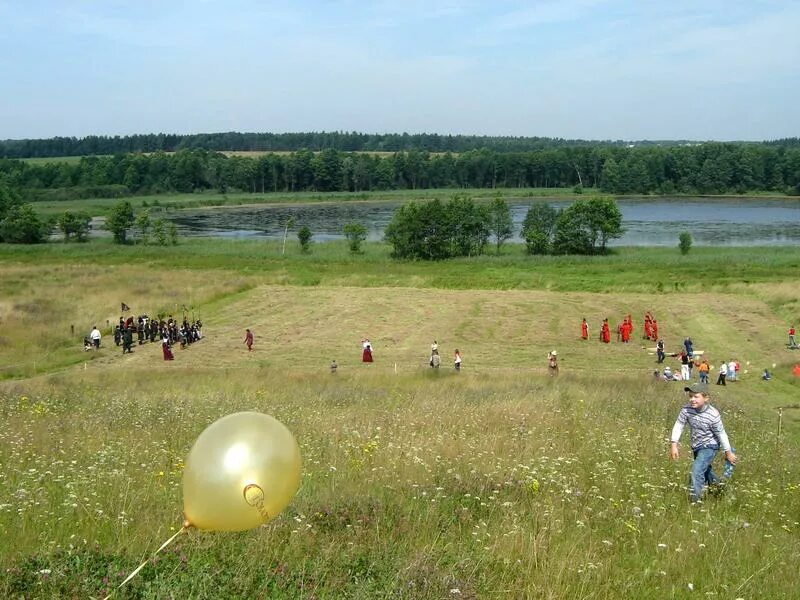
x: 587, y: 69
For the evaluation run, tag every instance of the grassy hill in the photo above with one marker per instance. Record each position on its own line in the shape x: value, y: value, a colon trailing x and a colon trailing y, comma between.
x: 495, y: 482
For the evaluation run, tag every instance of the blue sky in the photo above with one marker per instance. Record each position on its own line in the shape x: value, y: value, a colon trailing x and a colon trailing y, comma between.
x: 592, y: 69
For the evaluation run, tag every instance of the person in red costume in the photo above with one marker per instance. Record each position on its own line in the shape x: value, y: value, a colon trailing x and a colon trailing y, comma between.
x: 584, y: 329
x: 605, y: 332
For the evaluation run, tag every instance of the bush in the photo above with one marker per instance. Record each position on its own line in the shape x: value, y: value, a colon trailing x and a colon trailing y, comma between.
x: 22, y: 225
x: 304, y: 237
x: 355, y: 233
x: 120, y: 220
x: 538, y: 226
x: 685, y: 242
x: 433, y: 231
x: 74, y: 224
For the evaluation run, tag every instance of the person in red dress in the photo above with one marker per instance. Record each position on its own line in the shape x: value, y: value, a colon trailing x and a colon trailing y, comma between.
x: 366, y: 354
x: 166, y: 349
x: 605, y: 334
x: 248, y: 339
x: 584, y: 329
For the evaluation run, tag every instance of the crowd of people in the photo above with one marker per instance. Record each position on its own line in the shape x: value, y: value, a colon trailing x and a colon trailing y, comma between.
x: 142, y: 330
x: 624, y: 330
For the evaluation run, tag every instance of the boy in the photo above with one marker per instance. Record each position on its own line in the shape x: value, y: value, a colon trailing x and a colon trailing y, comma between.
x: 708, y: 435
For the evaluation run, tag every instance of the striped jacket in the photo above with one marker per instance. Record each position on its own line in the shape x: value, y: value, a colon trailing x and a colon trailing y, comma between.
x: 706, y: 426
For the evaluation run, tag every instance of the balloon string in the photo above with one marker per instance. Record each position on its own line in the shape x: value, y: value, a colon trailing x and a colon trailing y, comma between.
x: 141, y: 566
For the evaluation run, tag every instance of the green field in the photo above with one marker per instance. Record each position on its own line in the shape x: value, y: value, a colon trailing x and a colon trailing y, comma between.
x: 169, y: 202
x: 496, y: 482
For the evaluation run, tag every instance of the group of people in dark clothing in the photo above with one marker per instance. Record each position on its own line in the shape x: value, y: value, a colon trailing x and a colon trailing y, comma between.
x: 168, y: 331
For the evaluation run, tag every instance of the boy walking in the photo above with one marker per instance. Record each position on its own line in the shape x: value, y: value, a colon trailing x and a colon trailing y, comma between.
x: 708, y: 435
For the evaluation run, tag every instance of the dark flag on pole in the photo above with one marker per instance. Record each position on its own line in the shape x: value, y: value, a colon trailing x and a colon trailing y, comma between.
x: 124, y: 307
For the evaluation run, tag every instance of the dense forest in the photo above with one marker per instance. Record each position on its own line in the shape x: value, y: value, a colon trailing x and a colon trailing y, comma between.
x: 287, y: 142
x: 710, y: 168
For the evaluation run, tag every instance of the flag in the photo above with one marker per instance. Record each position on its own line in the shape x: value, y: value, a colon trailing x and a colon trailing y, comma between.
x: 124, y: 307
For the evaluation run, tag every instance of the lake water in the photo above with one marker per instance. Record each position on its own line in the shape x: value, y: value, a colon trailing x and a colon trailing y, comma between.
x: 648, y: 222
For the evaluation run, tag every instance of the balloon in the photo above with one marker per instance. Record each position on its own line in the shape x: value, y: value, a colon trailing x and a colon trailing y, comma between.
x: 242, y: 471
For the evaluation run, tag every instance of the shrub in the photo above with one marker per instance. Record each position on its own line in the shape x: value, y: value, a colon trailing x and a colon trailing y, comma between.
x: 685, y: 242
x: 355, y: 233
x: 304, y: 237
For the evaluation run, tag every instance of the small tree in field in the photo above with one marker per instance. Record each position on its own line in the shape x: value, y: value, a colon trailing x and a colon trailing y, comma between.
x: 685, y: 242
x: 355, y: 233
x: 74, y: 224
x: 120, y: 220
x: 304, y: 237
x: 500, y: 223
x: 160, y: 232
x: 143, y: 226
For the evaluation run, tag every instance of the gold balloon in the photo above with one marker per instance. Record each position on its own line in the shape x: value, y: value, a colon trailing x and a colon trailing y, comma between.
x: 242, y: 471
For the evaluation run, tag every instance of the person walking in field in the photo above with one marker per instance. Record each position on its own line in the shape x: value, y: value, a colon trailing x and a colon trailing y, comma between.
x: 127, y: 340
x: 457, y: 360
x: 605, y: 332
x: 723, y: 373
x: 660, y: 350
x: 248, y: 339
x: 792, y: 338
x: 703, y: 368
x: 584, y: 329
x: 731, y: 376
x: 95, y: 337
x: 552, y: 363
x: 366, y: 353
x: 707, y: 437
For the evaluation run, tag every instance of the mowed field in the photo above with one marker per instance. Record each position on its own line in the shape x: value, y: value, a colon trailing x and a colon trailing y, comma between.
x: 496, y: 482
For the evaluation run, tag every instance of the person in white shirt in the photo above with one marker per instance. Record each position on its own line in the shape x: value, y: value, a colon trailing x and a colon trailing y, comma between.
x: 731, y: 371
x: 95, y: 336
x: 723, y: 372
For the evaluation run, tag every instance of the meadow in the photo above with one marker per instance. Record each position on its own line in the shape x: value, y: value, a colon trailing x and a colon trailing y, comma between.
x: 496, y: 482
x: 175, y: 201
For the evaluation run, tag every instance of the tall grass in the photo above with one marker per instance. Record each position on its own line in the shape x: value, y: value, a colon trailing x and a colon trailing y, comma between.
x: 414, y: 486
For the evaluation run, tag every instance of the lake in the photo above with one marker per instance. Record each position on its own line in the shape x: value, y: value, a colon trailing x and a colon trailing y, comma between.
x: 648, y: 222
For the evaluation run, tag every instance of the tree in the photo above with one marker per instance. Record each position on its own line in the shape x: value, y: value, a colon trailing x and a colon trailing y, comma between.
x: 76, y: 224
x: 304, y: 237
x: 120, y: 220
x: 605, y: 220
x: 468, y: 226
x: 685, y: 242
x: 355, y: 233
x: 143, y: 226
x: 586, y: 225
x: 571, y: 232
x: 538, y: 227
x: 500, y: 223
x: 420, y: 230
x: 160, y: 232
x: 21, y: 225
x: 172, y: 232
x: 9, y: 198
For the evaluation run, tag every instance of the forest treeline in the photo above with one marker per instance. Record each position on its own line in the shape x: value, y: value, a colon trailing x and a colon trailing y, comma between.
x: 315, y: 141
x: 710, y: 168
x: 285, y: 142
